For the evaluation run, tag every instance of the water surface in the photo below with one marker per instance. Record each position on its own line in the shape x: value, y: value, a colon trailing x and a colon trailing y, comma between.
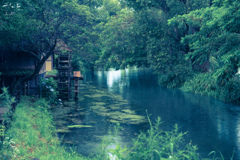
x: 107, y: 97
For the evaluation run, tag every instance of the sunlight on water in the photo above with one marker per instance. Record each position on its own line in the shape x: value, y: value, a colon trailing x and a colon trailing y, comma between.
x: 113, y: 76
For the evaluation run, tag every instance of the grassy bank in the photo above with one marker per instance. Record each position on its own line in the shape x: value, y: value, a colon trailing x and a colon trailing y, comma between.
x: 32, y: 135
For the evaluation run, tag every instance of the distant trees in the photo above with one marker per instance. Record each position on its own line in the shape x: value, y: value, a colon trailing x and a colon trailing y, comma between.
x: 179, y: 39
x: 140, y: 35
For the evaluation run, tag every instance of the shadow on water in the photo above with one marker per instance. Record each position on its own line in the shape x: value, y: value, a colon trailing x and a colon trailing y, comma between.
x: 110, y: 97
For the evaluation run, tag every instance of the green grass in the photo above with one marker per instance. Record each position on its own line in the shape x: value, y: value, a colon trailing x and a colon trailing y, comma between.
x: 32, y: 135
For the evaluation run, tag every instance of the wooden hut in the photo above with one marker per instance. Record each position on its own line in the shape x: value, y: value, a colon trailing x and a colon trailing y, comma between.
x: 17, y: 64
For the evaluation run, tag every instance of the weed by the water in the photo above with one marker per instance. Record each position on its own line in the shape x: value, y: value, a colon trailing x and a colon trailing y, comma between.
x: 32, y: 135
x: 156, y: 144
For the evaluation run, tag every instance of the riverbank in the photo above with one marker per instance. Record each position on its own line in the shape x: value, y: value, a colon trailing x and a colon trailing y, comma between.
x: 32, y: 134
x: 205, y: 84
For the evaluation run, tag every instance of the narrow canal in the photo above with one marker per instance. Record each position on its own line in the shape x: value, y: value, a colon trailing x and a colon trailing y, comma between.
x: 108, y: 97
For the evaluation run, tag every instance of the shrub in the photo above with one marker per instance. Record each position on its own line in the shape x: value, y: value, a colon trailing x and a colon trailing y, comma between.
x: 206, y: 84
x: 48, y: 90
x: 158, y: 144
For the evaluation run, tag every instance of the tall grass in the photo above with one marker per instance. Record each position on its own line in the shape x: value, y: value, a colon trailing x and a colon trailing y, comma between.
x: 32, y: 135
x: 156, y: 144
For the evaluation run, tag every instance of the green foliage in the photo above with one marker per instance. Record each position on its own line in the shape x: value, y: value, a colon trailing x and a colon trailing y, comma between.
x: 142, y: 37
x: 7, y: 101
x: 214, y: 48
x: 2, y: 131
x: 34, y: 27
x: 48, y: 90
x: 157, y: 144
x: 205, y: 84
x: 6, y: 98
x: 32, y: 134
x: 121, y: 44
x: 52, y: 72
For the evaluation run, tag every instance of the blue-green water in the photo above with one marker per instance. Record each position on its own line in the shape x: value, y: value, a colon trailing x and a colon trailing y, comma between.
x: 107, y: 97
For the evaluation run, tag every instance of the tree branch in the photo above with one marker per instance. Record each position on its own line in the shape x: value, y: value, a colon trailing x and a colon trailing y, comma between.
x: 87, y: 2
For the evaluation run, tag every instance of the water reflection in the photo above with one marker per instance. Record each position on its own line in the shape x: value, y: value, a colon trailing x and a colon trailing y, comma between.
x: 211, y: 124
x: 113, y: 77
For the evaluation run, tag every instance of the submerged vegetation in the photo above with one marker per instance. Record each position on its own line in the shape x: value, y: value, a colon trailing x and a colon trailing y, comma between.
x: 32, y: 134
x: 116, y: 109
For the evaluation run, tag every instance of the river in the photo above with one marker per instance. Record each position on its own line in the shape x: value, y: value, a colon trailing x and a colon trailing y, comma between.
x: 107, y: 97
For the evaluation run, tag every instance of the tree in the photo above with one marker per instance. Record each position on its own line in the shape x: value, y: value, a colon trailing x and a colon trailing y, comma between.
x: 33, y: 27
x: 121, y: 43
x: 149, y: 36
x: 213, y: 49
x: 215, y: 45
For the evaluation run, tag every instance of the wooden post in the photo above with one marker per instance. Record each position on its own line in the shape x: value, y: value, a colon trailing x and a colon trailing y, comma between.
x: 77, y: 75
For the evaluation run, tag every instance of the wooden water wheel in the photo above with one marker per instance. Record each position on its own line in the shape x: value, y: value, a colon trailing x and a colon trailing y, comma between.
x: 64, y: 75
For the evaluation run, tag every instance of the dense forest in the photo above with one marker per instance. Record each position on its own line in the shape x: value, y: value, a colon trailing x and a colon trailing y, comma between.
x: 191, y: 44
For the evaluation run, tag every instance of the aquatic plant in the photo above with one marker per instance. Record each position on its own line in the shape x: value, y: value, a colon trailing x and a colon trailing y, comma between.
x: 114, y: 107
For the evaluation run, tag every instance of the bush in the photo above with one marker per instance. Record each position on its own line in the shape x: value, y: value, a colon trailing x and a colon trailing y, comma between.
x: 52, y: 72
x: 158, y: 144
x: 206, y: 84
x: 48, y: 90
x: 7, y: 101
